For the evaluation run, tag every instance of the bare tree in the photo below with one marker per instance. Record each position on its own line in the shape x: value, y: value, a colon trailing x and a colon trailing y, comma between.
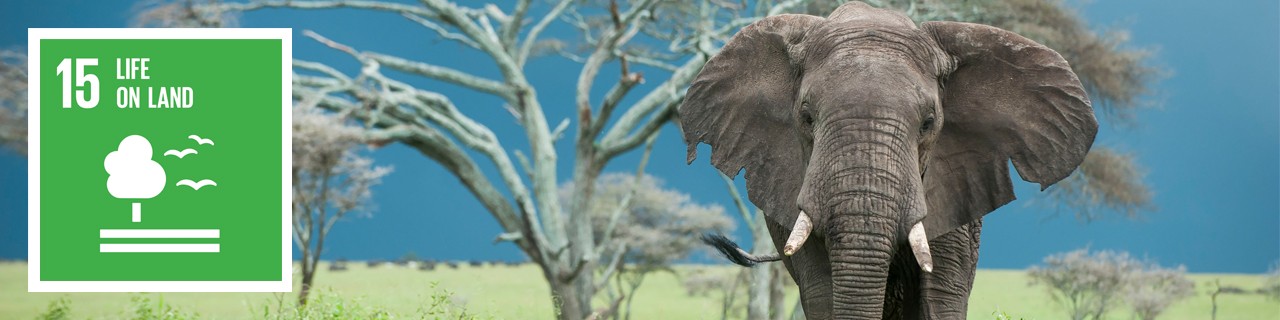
x: 1219, y: 289
x: 330, y: 181
x: 648, y: 226
x: 1152, y: 289
x: 530, y: 212
x: 13, y: 100
x: 1087, y: 284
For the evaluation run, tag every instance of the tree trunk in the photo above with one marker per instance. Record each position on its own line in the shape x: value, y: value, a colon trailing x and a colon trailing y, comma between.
x: 564, y: 296
x: 777, y: 291
x: 1213, y: 313
x: 759, y: 295
x: 580, y: 231
x: 308, y: 275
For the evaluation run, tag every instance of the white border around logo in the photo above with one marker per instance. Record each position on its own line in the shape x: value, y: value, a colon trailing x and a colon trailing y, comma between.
x: 34, y: 284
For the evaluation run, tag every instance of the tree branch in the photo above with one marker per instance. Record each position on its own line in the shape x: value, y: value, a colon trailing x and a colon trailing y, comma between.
x: 661, y: 96
x: 373, y: 5
x: 737, y: 200
x: 532, y: 37
x: 441, y: 31
x: 511, y: 27
x: 625, y: 204
x: 624, y: 28
x: 610, y: 149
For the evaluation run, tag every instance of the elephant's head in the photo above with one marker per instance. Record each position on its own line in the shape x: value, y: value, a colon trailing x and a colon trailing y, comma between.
x: 864, y: 133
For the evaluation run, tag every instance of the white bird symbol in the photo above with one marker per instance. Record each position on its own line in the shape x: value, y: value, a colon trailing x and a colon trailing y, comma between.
x: 199, y: 140
x: 180, y: 154
x: 197, y: 185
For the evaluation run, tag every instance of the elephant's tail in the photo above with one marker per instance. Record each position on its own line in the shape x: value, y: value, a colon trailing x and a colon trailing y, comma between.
x: 735, y: 253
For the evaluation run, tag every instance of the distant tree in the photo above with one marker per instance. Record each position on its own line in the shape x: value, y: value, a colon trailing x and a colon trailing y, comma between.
x: 330, y: 180
x: 707, y: 282
x: 13, y: 100
x: 646, y: 227
x: 1152, y: 289
x: 408, y: 257
x: 1086, y: 284
x: 1271, y: 284
x: 1219, y: 289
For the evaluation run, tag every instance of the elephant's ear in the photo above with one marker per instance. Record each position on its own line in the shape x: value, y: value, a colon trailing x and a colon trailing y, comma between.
x: 741, y: 104
x: 1008, y: 98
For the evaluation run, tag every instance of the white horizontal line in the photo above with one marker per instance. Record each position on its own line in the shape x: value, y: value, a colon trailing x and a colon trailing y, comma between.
x: 158, y: 233
x: 158, y: 247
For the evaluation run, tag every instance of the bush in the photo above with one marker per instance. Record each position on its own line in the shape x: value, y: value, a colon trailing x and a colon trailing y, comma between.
x: 58, y: 310
x: 444, y: 307
x: 327, y: 305
x: 145, y: 309
x: 1001, y: 315
x: 324, y: 305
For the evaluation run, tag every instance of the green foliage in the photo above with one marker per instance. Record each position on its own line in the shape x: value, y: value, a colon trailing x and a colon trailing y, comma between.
x: 443, y: 307
x: 58, y: 310
x: 327, y: 305
x: 522, y: 293
x: 146, y: 309
x: 323, y: 305
x: 1001, y: 315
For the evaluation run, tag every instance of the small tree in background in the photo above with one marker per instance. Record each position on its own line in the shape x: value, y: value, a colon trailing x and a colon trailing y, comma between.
x: 13, y: 100
x: 330, y: 180
x: 1152, y: 289
x: 1219, y: 289
x: 646, y: 227
x: 1271, y: 284
x: 1087, y: 285
x: 705, y: 282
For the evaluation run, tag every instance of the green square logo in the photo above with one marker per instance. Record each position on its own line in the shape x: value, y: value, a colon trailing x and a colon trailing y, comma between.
x: 160, y: 160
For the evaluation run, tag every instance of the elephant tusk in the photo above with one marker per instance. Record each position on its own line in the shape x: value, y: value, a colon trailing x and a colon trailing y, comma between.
x: 799, y: 233
x: 920, y: 246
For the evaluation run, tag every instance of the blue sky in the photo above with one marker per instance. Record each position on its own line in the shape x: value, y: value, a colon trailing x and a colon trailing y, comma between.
x: 1212, y: 149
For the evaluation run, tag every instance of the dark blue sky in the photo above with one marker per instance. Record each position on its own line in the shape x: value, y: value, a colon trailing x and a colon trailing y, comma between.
x: 1212, y: 149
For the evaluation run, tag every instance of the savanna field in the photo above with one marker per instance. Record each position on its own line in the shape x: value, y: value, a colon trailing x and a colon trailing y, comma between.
x: 503, y: 292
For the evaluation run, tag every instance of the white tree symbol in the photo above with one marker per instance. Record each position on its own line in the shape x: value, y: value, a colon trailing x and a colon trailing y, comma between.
x: 132, y: 173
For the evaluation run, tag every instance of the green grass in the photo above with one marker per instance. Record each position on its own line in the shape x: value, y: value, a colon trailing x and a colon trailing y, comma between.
x: 1007, y: 291
x: 520, y: 293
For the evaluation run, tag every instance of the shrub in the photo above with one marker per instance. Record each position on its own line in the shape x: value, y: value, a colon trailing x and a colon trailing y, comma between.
x: 146, y: 309
x: 58, y: 310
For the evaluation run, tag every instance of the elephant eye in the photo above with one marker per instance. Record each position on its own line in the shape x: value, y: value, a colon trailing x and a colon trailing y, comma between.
x: 805, y: 115
x: 927, y: 125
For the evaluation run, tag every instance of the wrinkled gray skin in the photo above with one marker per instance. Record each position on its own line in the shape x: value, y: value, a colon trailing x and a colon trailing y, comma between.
x: 871, y: 124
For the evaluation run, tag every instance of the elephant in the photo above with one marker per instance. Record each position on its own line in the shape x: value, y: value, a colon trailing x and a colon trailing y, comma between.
x: 875, y: 147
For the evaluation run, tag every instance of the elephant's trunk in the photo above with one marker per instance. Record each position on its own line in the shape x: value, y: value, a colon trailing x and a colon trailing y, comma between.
x: 860, y: 266
x: 864, y: 192
x: 863, y: 231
